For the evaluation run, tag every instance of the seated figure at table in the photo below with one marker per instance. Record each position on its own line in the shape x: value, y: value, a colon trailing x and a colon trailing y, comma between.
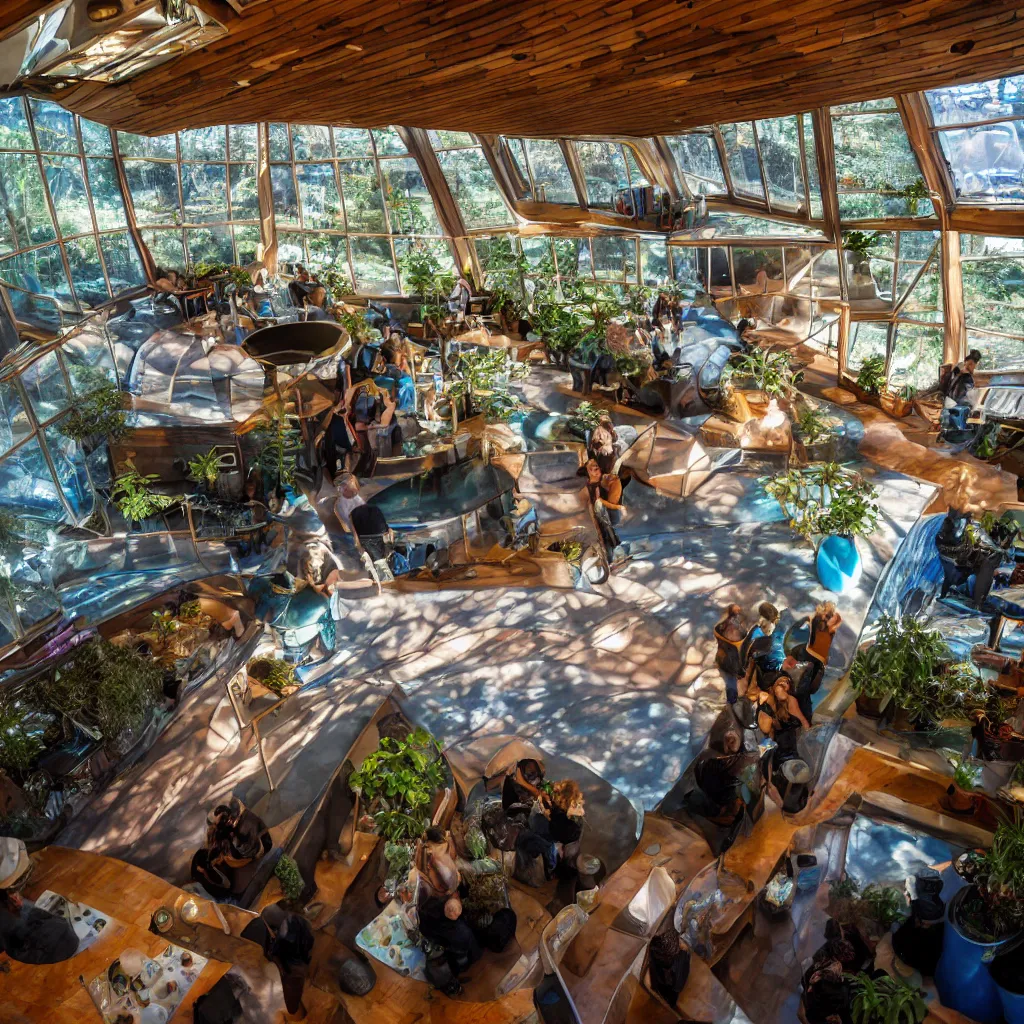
x: 550, y: 841
x: 522, y: 787
x: 440, y: 905
x: 964, y: 552
x: 27, y: 933
x: 669, y: 965
x: 236, y: 841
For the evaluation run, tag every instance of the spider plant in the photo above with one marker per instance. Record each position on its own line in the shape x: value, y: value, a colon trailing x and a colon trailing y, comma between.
x: 886, y: 904
x: 965, y: 774
x: 205, y: 467
x: 992, y: 908
x: 885, y: 1000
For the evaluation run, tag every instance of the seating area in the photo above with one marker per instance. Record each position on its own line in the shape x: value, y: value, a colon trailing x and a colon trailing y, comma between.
x: 511, y: 513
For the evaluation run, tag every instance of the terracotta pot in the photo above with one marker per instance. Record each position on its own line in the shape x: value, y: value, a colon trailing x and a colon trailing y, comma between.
x: 896, y: 406
x: 958, y: 800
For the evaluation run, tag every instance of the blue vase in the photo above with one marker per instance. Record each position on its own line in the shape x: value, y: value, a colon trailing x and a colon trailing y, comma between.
x: 838, y: 563
x: 962, y: 977
x: 1013, y: 1005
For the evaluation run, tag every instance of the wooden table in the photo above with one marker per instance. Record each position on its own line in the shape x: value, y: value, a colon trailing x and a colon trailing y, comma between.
x: 52, y: 993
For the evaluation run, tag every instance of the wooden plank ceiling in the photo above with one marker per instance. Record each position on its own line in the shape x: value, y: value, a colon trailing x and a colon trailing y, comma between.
x: 556, y: 67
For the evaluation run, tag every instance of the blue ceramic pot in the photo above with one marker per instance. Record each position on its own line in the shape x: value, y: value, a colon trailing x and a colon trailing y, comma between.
x: 962, y: 976
x: 1013, y: 1005
x: 838, y: 564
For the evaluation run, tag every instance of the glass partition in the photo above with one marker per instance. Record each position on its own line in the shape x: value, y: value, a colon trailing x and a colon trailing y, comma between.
x: 993, y: 282
x: 63, y: 227
x: 350, y: 200
x: 981, y: 131
x: 877, y: 174
x: 696, y: 156
x: 470, y: 179
x: 542, y: 167
x: 195, y: 194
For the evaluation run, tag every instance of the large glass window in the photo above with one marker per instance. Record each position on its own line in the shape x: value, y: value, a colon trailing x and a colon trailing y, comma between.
x: 349, y: 200
x: 51, y: 160
x: 470, y: 180
x: 544, y: 170
x: 608, y: 168
x: 194, y: 193
x: 982, y: 138
x: 993, y: 281
x: 876, y: 171
x: 696, y: 156
x: 741, y: 157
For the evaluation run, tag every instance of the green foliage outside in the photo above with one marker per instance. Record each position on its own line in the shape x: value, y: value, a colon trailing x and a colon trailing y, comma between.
x: 397, y: 784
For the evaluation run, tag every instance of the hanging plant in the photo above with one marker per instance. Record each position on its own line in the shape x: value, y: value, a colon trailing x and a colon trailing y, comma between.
x: 99, y: 412
x: 861, y: 244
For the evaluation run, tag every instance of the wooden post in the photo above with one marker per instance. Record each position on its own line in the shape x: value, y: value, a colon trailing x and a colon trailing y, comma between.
x: 265, y: 198
x: 913, y: 108
x: 954, y: 343
x: 843, y: 342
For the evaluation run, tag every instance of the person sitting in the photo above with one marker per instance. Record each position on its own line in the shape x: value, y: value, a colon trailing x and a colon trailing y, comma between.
x: 522, y: 787
x: 956, y: 389
x: 399, y: 368
x: 236, y: 842
x: 370, y: 526
x: 348, y: 499
x: 603, y: 449
x: 780, y: 719
x: 730, y: 634
x: 439, y: 903
x: 28, y: 934
x: 806, y: 680
x: 605, y: 490
x: 300, y: 287
x: 313, y: 304
x: 824, y: 623
x: 287, y: 942
x: 669, y: 965
x: 765, y: 647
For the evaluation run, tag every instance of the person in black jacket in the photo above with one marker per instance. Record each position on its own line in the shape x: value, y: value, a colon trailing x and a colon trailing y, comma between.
x: 28, y: 934
x: 669, y: 966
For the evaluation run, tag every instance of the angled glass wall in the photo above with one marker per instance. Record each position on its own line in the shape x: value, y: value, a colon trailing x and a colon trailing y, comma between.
x: 349, y: 200
x: 980, y: 128
x: 993, y: 282
x: 470, y: 180
x: 877, y: 174
x: 608, y: 168
x: 63, y: 229
x: 194, y: 194
x: 542, y: 168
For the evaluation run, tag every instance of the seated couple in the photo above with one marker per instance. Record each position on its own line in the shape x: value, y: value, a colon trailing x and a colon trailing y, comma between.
x: 605, y: 492
x: 460, y: 936
x: 237, y: 841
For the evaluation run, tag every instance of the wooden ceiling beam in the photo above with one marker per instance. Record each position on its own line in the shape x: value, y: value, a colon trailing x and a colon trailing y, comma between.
x: 550, y: 68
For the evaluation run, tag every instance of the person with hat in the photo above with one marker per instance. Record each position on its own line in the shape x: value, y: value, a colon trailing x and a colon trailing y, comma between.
x: 28, y: 934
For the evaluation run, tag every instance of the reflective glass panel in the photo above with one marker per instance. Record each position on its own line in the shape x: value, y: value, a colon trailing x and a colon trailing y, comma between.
x: 210, y: 245
x: 373, y: 266
x: 156, y: 147
x: 203, y: 143
x: 107, y: 201
x: 166, y: 248
x: 286, y: 207
x: 409, y: 202
x: 364, y: 203
x: 813, y: 181
x: 472, y: 185
x: 14, y: 130
x: 247, y: 241
x: 14, y: 424
x: 604, y: 171
x: 979, y: 101
x: 280, y: 148
x: 327, y: 252
x: 551, y: 179
x: 450, y: 140
x: 40, y: 271
x: 43, y: 382
x: 318, y: 190
x: 352, y: 142
x: 86, y: 270
x: 96, y: 138
x: 916, y: 356
x: 614, y: 257
x: 779, y: 139
x: 55, y: 127
x: 741, y: 154
x: 388, y: 142
x: 244, y: 192
x: 204, y: 191
x: 987, y: 161
x: 124, y: 268
x: 654, y: 261
x: 24, y: 216
x: 242, y: 138
x: 311, y: 142
x: 757, y: 271
x: 69, y: 463
x: 27, y: 486
x: 866, y: 340
x: 697, y: 158
x: 67, y: 190
x: 154, y: 191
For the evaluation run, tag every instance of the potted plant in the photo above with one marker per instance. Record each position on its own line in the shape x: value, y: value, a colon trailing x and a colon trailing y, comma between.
x: 898, y: 402
x: 134, y: 497
x: 960, y: 794
x: 983, y: 919
x: 836, y: 505
x: 204, y: 469
x: 903, y: 659
x: 885, y: 1000
x: 583, y: 420
x: 860, y: 245
x: 506, y: 268
x: 484, y: 377
x: 769, y: 372
x: 275, y: 674
x: 287, y: 873
x: 1007, y: 971
x: 914, y: 193
x: 98, y: 413
x: 871, y: 378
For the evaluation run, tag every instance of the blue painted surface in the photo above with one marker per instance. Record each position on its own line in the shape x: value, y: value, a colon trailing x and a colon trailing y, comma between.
x: 963, y: 981
x: 1013, y: 1005
x: 839, y: 564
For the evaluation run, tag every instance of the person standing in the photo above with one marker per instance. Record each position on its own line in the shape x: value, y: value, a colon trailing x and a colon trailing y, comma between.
x: 730, y: 634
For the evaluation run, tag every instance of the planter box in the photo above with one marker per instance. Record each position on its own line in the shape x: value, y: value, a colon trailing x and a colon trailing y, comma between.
x: 864, y: 396
x: 896, y: 406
